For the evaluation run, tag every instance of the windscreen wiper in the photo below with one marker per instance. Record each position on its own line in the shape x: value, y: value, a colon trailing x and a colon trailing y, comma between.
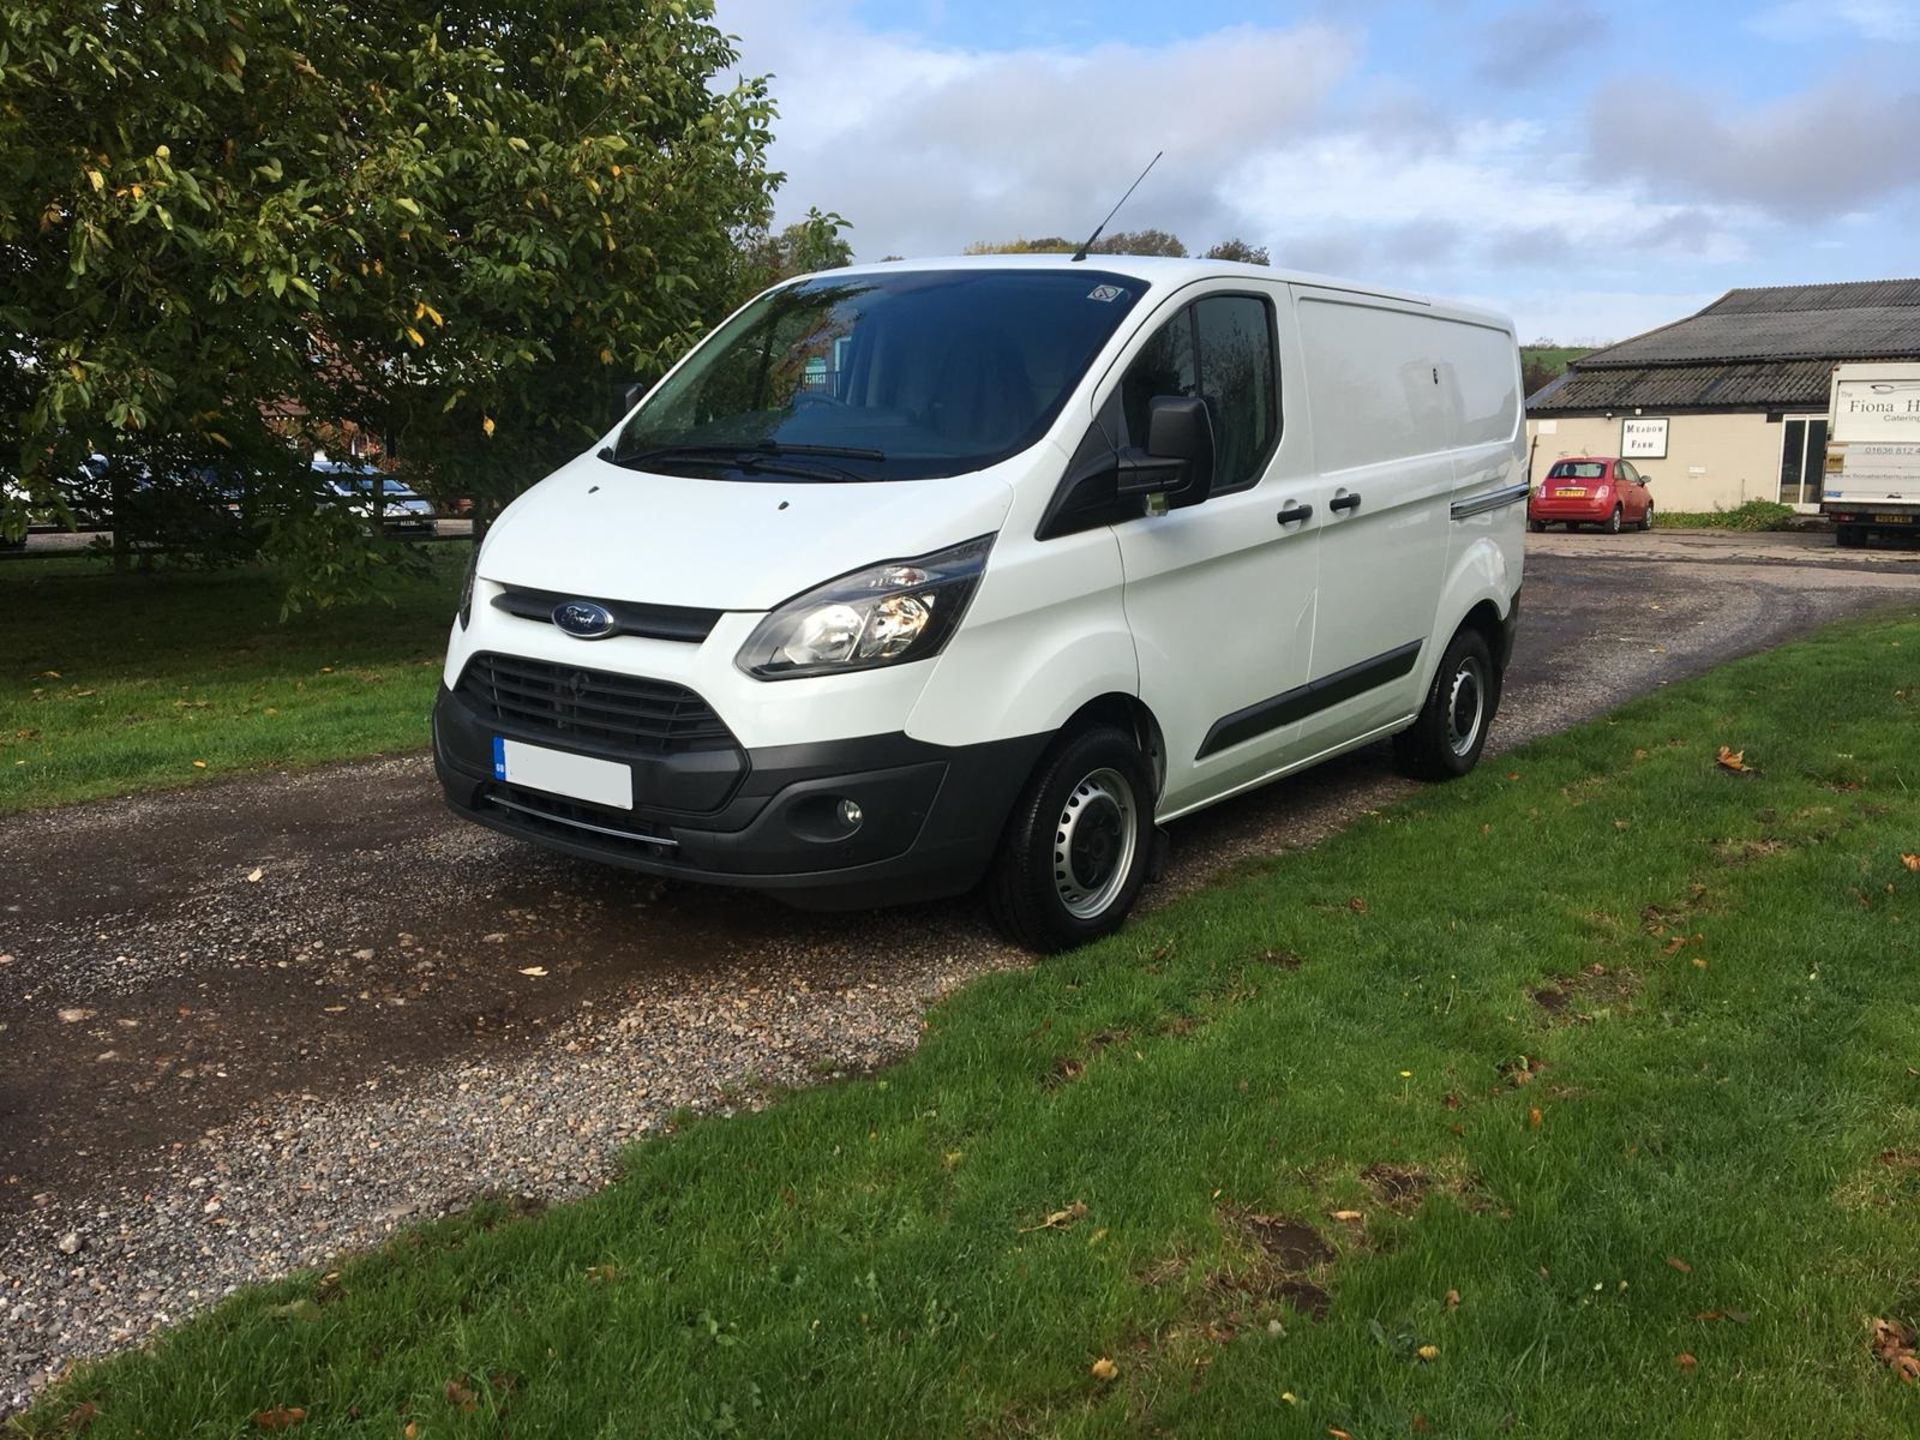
x: 760, y: 455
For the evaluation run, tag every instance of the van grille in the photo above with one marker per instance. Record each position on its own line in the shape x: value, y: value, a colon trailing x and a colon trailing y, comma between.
x: 654, y: 717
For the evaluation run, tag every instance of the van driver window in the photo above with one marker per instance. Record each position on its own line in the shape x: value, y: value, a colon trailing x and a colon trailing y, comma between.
x: 1221, y: 349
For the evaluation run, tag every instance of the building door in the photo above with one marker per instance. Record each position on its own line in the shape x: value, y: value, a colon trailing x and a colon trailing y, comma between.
x: 1803, y: 462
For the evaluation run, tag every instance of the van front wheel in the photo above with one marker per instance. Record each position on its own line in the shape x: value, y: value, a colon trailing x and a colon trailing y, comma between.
x: 1077, y: 844
x: 1445, y: 740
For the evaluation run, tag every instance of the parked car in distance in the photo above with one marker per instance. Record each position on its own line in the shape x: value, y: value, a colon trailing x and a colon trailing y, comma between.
x: 926, y: 574
x: 402, y: 512
x: 1601, y: 490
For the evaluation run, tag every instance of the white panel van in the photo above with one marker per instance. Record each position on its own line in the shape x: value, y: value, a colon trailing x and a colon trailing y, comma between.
x: 916, y: 576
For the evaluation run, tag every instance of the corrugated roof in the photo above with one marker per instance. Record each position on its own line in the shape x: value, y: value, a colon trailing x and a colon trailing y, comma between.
x: 1769, y: 385
x: 1771, y: 346
x: 1874, y: 318
x: 1858, y: 294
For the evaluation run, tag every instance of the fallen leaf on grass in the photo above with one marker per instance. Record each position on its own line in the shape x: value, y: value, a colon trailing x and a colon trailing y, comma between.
x: 1686, y: 1360
x: 1428, y: 1353
x: 1734, y: 760
x: 1357, y: 905
x: 1347, y: 1217
x: 1739, y: 1317
x: 458, y: 1395
x: 1677, y: 1263
x: 199, y: 764
x: 80, y: 1417
x: 1104, y: 1369
x: 1059, y: 1219
x: 1912, y: 862
x: 283, y: 1417
x: 535, y: 970
x: 1453, y: 1299
x: 1893, y: 1347
x: 1535, y: 1119
x: 1337, y: 1433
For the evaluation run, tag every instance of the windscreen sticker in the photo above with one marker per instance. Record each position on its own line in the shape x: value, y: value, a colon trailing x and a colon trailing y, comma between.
x: 1105, y: 294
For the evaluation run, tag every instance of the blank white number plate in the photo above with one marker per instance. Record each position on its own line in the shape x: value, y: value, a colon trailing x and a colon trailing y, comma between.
x: 578, y: 777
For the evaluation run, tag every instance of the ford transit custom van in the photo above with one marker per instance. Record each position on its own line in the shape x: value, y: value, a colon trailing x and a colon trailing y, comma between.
x: 924, y: 576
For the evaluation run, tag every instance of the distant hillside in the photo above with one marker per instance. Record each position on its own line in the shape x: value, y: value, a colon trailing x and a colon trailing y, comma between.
x: 1542, y: 364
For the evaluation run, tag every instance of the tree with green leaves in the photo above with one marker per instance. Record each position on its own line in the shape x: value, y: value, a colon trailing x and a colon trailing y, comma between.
x: 461, y: 229
x: 1121, y: 242
x: 1239, y: 250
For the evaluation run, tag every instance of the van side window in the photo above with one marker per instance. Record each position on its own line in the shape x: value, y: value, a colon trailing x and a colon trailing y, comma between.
x: 1221, y: 349
x: 1236, y: 379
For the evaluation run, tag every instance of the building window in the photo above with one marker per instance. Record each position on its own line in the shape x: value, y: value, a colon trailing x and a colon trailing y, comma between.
x: 1803, y: 461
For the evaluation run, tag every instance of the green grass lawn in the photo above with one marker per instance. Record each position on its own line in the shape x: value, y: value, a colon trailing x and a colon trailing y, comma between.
x: 112, y: 683
x: 1579, y: 1098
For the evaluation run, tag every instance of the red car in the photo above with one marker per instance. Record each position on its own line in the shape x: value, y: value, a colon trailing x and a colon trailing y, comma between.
x: 1598, y: 490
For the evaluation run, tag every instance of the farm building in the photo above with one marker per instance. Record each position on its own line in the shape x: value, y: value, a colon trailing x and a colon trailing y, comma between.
x: 1728, y: 405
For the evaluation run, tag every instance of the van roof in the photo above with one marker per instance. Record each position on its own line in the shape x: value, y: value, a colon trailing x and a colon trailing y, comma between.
x: 1175, y: 271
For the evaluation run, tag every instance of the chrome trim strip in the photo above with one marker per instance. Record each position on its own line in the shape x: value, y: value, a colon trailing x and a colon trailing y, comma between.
x: 662, y: 841
x: 1490, y: 500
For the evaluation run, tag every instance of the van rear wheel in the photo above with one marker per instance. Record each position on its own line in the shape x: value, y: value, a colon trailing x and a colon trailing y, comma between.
x: 1446, y: 738
x: 1077, y: 845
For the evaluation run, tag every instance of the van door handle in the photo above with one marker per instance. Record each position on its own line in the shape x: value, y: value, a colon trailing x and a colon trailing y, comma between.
x: 1294, y: 514
x: 1345, y: 501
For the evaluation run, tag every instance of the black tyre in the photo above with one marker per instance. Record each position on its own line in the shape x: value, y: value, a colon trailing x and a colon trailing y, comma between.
x: 1077, y: 845
x: 1646, y: 520
x: 1445, y: 740
x: 1537, y: 526
x: 1850, y: 537
x: 1613, y: 522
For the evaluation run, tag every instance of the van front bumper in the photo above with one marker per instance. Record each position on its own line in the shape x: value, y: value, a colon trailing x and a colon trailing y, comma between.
x: 766, y: 819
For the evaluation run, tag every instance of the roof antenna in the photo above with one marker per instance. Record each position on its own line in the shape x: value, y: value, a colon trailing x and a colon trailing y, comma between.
x: 1087, y: 244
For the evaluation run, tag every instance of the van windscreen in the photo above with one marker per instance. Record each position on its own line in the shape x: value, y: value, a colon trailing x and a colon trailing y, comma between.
x: 891, y: 376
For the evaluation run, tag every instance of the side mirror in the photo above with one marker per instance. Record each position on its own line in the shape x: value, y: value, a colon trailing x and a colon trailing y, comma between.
x: 630, y: 395
x: 1646, y: 479
x: 1178, y: 458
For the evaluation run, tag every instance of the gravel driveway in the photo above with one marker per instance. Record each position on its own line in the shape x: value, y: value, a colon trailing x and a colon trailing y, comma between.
x: 209, y: 1076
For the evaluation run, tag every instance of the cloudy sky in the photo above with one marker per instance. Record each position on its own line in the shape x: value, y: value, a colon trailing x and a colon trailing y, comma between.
x: 1591, y: 168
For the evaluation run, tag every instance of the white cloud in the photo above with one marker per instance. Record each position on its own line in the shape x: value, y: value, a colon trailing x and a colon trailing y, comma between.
x: 926, y: 148
x: 1502, y: 189
x: 1803, y: 157
x: 1796, y: 20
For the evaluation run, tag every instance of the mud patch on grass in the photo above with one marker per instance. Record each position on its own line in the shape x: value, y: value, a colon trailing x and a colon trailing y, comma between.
x: 1585, y: 996
x: 1287, y: 1262
x: 1290, y: 1244
x: 1401, y: 1188
x: 1068, y: 1068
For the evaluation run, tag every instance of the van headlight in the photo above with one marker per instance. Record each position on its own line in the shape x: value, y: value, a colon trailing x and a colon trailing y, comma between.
x: 895, y: 611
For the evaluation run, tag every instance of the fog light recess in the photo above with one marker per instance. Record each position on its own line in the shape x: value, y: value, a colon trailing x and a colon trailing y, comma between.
x: 850, y: 814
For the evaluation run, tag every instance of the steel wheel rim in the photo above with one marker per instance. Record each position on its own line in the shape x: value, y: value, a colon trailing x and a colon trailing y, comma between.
x: 1466, y: 706
x: 1094, y: 842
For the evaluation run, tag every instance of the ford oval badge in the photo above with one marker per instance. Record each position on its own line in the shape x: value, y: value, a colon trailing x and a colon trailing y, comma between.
x: 583, y: 619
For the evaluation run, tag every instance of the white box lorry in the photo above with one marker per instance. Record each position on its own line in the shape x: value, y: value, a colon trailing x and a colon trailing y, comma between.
x: 1873, y: 451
